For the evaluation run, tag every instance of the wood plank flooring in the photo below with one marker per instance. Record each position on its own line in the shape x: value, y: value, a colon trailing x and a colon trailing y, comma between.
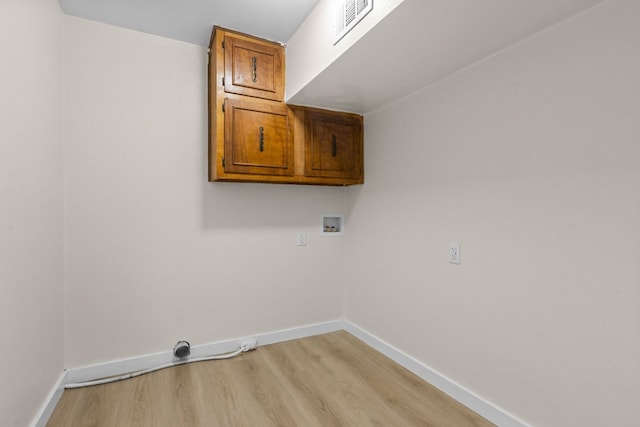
x: 325, y: 380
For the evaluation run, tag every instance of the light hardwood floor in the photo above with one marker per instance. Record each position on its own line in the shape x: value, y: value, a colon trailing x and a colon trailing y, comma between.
x: 326, y: 380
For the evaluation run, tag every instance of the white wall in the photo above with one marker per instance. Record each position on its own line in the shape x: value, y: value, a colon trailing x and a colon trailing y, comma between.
x: 31, y: 307
x: 531, y: 160
x: 155, y: 253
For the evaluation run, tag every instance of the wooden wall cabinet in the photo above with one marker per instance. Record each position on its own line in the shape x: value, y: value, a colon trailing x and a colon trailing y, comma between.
x: 250, y: 128
x: 255, y: 137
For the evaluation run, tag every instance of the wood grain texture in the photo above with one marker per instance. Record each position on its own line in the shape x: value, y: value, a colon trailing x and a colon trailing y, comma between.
x: 254, y: 67
x: 333, y: 144
x: 326, y: 380
x: 231, y: 147
x: 258, y: 138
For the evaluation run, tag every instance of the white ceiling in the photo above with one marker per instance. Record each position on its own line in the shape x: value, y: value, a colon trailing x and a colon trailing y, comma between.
x: 191, y: 20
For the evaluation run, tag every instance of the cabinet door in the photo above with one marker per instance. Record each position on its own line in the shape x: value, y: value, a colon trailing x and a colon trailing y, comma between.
x: 258, y: 138
x: 333, y: 143
x: 253, y: 68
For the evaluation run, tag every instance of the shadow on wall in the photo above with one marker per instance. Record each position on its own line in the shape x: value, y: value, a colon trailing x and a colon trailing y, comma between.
x: 251, y: 205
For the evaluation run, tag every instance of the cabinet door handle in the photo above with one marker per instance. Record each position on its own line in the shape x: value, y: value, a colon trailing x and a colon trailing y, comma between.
x: 261, y: 138
x: 254, y: 69
x: 334, y: 146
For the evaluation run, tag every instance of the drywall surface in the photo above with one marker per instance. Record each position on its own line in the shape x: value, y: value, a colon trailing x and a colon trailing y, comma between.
x: 154, y: 252
x: 311, y: 49
x: 419, y: 43
x: 530, y: 160
x: 30, y: 206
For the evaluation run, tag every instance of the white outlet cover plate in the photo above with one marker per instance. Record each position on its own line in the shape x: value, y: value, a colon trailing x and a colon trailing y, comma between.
x: 454, y: 252
x: 301, y: 238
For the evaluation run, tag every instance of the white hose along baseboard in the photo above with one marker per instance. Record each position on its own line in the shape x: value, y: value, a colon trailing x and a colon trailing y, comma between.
x: 140, y: 363
x: 154, y: 369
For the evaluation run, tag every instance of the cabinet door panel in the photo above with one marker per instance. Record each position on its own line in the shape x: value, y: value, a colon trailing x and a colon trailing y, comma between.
x: 258, y: 138
x: 333, y: 145
x: 332, y: 149
x: 253, y: 69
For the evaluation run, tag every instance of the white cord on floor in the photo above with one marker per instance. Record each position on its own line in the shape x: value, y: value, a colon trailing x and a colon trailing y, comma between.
x: 149, y: 370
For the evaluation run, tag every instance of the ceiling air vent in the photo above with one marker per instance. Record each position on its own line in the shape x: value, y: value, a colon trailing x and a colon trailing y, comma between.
x: 348, y: 14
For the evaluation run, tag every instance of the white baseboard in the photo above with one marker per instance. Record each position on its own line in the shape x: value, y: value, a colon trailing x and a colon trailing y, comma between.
x: 300, y: 332
x: 123, y: 366
x: 472, y: 401
x: 486, y: 409
x: 50, y: 403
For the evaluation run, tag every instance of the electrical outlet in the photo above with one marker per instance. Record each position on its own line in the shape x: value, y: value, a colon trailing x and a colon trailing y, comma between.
x: 248, y: 344
x: 301, y: 239
x: 454, y: 252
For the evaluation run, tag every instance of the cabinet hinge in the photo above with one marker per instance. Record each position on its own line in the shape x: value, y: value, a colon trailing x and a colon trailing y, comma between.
x: 223, y: 107
x: 223, y: 81
x: 223, y: 162
x: 223, y: 44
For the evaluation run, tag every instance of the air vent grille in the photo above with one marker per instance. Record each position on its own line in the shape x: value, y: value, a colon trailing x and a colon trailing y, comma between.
x: 348, y: 14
